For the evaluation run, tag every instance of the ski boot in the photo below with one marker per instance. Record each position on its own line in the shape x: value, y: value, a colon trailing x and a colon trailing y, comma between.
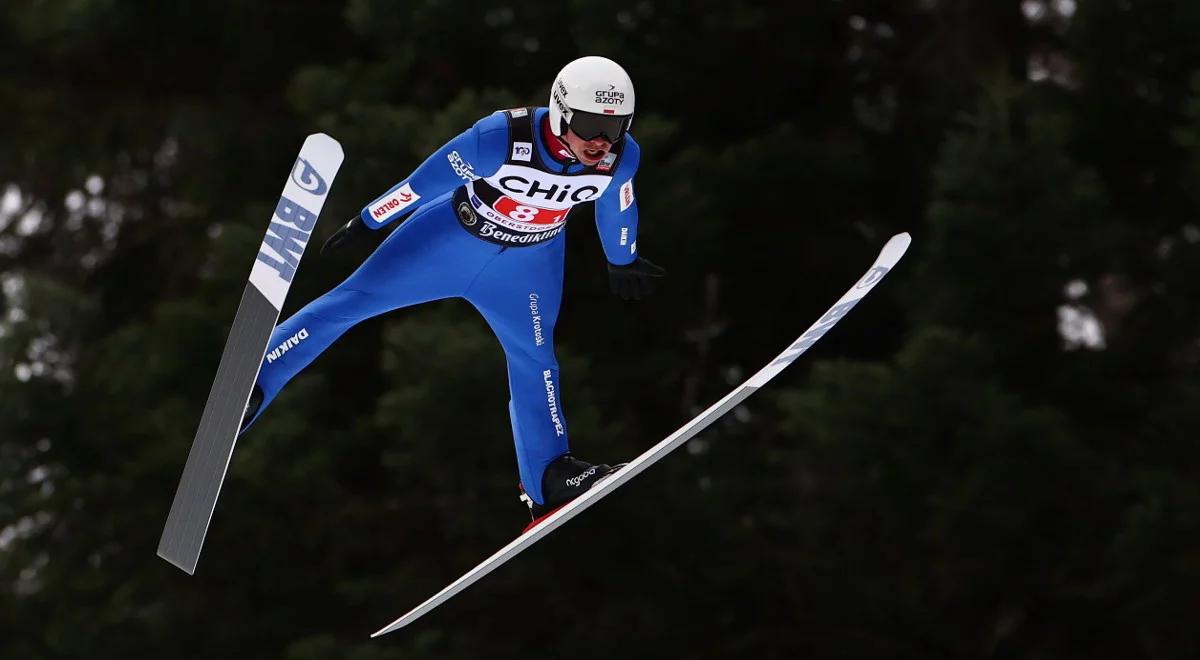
x: 565, y: 478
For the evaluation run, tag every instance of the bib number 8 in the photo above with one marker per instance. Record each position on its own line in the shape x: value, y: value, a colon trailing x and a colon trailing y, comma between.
x: 524, y: 213
x: 527, y: 213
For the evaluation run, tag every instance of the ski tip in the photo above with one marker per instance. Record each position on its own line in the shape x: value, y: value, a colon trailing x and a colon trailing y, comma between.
x: 402, y: 621
x: 895, y: 248
x: 385, y: 630
x: 325, y: 142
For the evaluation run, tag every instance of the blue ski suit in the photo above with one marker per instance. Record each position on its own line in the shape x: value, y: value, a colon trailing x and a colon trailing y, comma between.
x: 488, y: 226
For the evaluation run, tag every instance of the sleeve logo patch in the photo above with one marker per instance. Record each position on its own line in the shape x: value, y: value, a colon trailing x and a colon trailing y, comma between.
x: 522, y: 151
x: 462, y: 168
x: 626, y: 194
x: 393, y: 202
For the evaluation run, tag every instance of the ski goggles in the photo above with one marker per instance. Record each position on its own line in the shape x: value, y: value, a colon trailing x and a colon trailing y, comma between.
x: 589, y: 125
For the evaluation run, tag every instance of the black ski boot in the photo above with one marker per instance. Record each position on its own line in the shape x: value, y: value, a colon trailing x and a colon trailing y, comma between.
x: 565, y: 478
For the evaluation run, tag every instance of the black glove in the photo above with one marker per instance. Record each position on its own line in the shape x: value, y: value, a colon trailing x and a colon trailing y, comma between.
x: 634, y: 281
x: 353, y: 232
x: 349, y: 233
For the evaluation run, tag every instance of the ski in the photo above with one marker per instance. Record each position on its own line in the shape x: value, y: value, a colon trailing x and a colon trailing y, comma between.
x: 292, y: 223
x: 888, y: 257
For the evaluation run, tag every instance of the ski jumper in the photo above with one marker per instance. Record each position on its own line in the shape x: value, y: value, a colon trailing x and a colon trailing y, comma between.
x: 489, y: 224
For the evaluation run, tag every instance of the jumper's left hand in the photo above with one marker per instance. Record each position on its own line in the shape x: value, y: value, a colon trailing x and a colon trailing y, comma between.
x: 635, y: 280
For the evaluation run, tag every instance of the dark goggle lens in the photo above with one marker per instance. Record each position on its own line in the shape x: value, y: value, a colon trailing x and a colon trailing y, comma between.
x: 590, y: 126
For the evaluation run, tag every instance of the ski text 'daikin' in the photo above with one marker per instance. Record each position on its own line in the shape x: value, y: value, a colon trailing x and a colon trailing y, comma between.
x: 287, y: 345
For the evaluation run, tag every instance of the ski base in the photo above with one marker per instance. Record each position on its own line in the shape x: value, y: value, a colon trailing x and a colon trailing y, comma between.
x: 295, y: 216
x: 888, y: 257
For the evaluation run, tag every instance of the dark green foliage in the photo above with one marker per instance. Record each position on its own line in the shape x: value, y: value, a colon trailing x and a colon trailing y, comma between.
x: 946, y: 475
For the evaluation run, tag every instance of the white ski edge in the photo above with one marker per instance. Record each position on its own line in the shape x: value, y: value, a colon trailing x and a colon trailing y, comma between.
x: 888, y: 257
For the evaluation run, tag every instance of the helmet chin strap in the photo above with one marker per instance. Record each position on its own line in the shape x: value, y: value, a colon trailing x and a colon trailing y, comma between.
x: 563, y: 143
x: 567, y: 147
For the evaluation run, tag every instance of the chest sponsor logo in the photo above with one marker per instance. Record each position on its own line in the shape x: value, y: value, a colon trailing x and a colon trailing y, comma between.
x: 517, y: 113
x: 395, y: 201
x: 495, y: 234
x: 626, y: 194
x: 522, y: 151
x: 551, y: 192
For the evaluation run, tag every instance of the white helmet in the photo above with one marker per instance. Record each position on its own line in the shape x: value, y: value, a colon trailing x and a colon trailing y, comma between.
x: 593, y: 96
